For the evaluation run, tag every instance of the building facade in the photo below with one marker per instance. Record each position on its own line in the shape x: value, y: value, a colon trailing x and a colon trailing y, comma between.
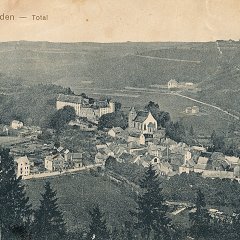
x: 84, y: 107
x: 23, y: 166
x: 142, y: 121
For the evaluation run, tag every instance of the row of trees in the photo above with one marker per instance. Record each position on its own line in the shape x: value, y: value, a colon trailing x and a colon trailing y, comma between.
x: 17, y: 219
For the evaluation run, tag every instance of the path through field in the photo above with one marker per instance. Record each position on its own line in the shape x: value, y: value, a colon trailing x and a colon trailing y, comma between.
x: 208, y: 104
x: 168, y: 59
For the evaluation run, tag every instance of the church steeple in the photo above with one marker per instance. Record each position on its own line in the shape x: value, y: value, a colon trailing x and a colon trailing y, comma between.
x: 131, y: 116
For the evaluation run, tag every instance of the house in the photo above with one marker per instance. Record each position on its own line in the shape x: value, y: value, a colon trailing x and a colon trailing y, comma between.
x: 202, y: 164
x: 187, y: 167
x: 142, y: 121
x: 192, y: 110
x: 92, y: 109
x: 137, y: 149
x: 233, y: 161
x: 15, y: 124
x: 157, y: 150
x: 125, y: 157
x: 172, y: 84
x: 218, y: 161
x: 137, y: 137
x: 100, y: 157
x: 115, y: 132
x: 23, y: 166
x: 159, y: 135
x: 195, y: 110
x: 164, y: 168
x: 73, y: 160
x: 55, y: 162
x: 198, y: 149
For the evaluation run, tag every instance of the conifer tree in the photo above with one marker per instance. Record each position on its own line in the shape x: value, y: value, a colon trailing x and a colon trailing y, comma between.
x: 200, y: 219
x: 49, y: 222
x: 98, y: 227
x: 15, y: 210
x: 152, y: 210
x: 236, y: 222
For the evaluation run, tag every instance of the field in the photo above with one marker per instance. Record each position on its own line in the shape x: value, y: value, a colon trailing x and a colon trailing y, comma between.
x: 210, y: 119
x: 83, y: 66
x: 78, y: 193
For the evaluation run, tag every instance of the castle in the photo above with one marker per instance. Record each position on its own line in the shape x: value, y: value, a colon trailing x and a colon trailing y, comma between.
x: 142, y: 121
x: 90, y: 108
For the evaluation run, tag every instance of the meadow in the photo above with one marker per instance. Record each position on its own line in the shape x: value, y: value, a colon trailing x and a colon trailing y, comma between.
x: 78, y: 193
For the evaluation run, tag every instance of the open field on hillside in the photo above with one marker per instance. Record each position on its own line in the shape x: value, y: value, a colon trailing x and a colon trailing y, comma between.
x: 79, y: 192
x: 204, y: 123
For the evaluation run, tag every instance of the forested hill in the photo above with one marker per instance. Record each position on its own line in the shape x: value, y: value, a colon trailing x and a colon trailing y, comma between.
x: 214, y: 65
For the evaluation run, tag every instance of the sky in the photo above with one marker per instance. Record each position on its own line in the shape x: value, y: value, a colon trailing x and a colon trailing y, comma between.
x: 121, y: 20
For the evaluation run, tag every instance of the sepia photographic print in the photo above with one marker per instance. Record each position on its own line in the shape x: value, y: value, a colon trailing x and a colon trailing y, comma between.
x: 119, y: 120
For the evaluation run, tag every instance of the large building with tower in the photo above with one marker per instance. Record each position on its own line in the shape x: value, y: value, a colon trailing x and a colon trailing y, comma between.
x: 90, y: 108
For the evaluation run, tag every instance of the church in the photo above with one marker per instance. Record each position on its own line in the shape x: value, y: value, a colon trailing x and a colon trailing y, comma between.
x: 142, y: 120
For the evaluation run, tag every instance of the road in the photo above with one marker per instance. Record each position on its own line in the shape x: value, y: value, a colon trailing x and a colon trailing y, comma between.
x: 68, y: 171
x: 168, y: 59
x: 208, y: 104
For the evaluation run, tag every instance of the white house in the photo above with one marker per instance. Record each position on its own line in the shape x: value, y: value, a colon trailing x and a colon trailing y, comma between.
x: 16, y: 124
x: 54, y: 162
x: 172, y: 84
x: 115, y: 131
x: 23, y: 166
x: 192, y: 110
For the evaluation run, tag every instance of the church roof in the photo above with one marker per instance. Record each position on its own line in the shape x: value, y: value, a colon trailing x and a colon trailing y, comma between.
x: 141, y: 116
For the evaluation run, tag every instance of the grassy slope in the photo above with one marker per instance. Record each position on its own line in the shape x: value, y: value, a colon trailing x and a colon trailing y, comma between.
x: 78, y: 193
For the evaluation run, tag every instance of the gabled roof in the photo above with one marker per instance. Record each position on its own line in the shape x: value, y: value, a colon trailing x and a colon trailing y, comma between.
x: 16, y: 122
x: 141, y: 116
x: 22, y: 159
x: 117, y: 130
x: 70, y: 98
x: 203, y: 163
x: 54, y: 157
x: 126, y: 156
x: 135, y: 134
x: 76, y: 156
x: 173, y: 81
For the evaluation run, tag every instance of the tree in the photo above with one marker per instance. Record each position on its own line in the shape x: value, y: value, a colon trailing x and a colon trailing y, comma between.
x: 175, y: 131
x: 62, y: 117
x: 15, y: 210
x: 200, y: 219
x: 151, y: 213
x: 49, y: 223
x: 98, y: 227
x: 236, y: 222
x: 115, y: 119
x: 191, y: 131
x: 161, y: 116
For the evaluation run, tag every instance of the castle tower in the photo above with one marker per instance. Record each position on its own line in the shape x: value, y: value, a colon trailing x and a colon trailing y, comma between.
x: 131, y: 116
x: 112, y: 106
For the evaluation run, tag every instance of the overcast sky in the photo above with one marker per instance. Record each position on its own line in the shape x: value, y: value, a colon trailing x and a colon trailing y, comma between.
x: 121, y: 20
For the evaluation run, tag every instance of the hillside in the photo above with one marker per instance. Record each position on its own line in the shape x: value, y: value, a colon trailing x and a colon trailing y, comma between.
x: 79, y: 193
x: 213, y: 65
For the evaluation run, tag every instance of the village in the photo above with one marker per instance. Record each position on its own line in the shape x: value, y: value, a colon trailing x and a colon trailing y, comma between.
x: 141, y: 143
